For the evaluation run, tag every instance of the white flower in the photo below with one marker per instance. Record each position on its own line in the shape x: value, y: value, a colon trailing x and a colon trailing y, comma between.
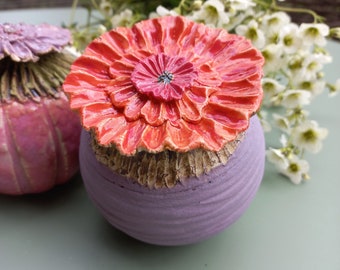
x: 335, y: 32
x: 197, y: 4
x: 274, y: 22
x: 271, y: 87
x: 263, y: 120
x: 315, y: 63
x: 315, y: 87
x: 289, y: 38
x: 296, y: 115
x: 101, y: 29
x: 314, y: 33
x: 236, y: 18
x: 122, y: 19
x: 296, y: 60
x: 162, y: 11
x: 281, y: 122
x: 308, y: 135
x: 283, y: 140
x: 297, y: 67
x: 211, y: 13
x: 337, y: 85
x: 296, y: 171
x: 105, y: 8
x: 241, y: 4
x: 252, y: 32
x: 271, y: 24
x: 335, y: 89
x: 273, y: 58
x: 294, y: 98
x: 277, y: 157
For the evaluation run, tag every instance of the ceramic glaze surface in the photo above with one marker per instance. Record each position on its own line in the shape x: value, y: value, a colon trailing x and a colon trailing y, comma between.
x: 166, y: 83
x: 40, y: 145
x: 187, y: 213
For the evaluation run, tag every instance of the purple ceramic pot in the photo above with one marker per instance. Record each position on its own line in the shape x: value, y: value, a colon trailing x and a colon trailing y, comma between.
x: 187, y: 213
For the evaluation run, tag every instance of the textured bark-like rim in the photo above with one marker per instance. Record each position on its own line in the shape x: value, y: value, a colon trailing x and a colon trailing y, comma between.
x: 166, y: 168
x: 24, y: 81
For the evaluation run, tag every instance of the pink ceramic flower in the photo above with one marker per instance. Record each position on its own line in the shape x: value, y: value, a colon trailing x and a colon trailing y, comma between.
x: 25, y: 42
x: 166, y: 83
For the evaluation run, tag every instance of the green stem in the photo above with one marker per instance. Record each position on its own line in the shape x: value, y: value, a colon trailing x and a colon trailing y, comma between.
x: 273, y: 5
x: 73, y: 11
x: 95, y: 5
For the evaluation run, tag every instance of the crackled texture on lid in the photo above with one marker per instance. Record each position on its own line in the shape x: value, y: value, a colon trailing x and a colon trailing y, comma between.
x: 166, y: 84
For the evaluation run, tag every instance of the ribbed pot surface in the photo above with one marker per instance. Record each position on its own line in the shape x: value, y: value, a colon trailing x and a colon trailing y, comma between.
x: 187, y: 213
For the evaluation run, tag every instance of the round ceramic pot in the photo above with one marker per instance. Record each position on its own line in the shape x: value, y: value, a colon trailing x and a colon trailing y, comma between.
x: 191, y: 211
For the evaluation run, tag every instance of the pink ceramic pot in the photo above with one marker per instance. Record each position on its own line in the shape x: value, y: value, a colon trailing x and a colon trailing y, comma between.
x: 186, y: 213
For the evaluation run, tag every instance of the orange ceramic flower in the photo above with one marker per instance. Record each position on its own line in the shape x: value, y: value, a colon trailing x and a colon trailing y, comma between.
x: 166, y: 83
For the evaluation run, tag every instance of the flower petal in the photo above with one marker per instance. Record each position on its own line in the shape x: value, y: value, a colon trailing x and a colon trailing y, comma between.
x: 153, y: 138
x: 229, y: 117
x: 92, y: 65
x: 84, y: 88
x: 85, y: 97
x: 120, y: 68
x: 190, y: 111
x: 138, y: 37
x: 79, y: 80
x: 171, y: 112
x: 117, y: 40
x: 19, y: 52
x: 151, y: 112
x: 112, y: 131
x: 209, y: 132
x: 207, y: 76
x: 199, y: 94
x: 133, y: 137
x: 102, y: 51
x: 240, y: 103
x: 173, y: 32
x: 133, y: 109
x: 97, y: 114
x: 181, y: 138
x: 123, y: 95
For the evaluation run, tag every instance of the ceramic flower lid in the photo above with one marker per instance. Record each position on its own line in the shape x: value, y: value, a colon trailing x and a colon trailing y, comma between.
x: 32, y: 61
x: 25, y: 42
x: 166, y: 83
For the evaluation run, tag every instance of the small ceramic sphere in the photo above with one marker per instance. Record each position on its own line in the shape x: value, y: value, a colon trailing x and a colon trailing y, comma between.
x: 190, y: 212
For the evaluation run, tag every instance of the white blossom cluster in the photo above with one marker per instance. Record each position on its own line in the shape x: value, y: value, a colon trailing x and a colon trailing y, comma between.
x: 295, y: 56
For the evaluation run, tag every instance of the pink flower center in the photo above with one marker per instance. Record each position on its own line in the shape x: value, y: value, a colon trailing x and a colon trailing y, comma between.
x: 163, y: 77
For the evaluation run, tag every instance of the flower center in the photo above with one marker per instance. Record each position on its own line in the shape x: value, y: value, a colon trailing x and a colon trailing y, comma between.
x: 162, y: 77
x: 165, y: 77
